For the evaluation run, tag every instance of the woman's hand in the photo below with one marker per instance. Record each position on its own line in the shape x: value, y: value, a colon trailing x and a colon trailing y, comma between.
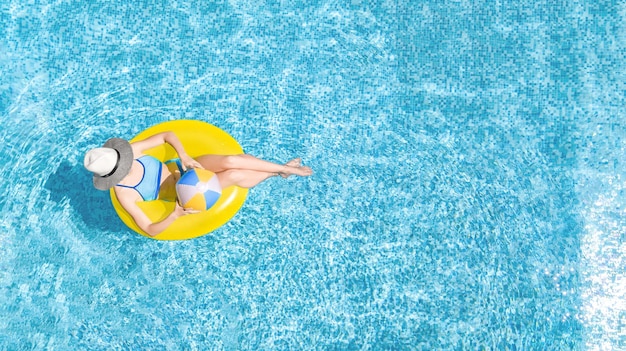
x: 179, y: 211
x: 154, y: 229
x: 189, y: 162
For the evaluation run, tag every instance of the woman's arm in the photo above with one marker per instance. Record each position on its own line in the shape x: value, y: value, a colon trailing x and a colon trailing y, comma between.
x: 154, y: 229
x: 166, y: 137
x: 143, y: 222
x: 185, y: 159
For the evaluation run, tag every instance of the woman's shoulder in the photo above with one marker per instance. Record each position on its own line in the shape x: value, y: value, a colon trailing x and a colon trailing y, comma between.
x: 126, y: 194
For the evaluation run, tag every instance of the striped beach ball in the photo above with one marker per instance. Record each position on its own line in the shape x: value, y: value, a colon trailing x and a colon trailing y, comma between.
x: 198, y: 189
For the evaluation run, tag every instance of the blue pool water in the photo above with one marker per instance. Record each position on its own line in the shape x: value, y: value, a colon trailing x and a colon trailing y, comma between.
x: 469, y: 186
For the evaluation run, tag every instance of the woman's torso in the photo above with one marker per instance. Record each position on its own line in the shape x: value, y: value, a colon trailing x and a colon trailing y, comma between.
x: 151, y: 179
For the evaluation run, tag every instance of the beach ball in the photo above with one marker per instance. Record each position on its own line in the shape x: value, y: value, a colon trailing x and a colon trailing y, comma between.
x: 198, y: 189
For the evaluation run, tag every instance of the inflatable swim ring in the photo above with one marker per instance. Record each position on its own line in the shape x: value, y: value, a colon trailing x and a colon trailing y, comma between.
x: 198, y: 138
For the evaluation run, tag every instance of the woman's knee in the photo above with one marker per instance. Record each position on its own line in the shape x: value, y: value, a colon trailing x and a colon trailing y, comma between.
x: 230, y: 177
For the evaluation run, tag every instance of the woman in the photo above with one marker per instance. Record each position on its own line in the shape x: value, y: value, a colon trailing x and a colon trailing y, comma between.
x: 136, y: 176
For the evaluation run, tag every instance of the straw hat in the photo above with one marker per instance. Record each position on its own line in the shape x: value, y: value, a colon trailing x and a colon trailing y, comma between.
x: 109, y: 163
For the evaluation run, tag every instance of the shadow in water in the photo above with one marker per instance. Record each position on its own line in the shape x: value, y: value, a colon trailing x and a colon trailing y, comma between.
x: 93, y: 206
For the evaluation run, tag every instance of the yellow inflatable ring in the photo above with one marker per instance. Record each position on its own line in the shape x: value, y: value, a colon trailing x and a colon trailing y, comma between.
x: 198, y: 138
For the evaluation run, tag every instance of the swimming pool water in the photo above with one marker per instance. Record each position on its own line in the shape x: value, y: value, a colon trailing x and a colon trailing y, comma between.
x: 468, y: 190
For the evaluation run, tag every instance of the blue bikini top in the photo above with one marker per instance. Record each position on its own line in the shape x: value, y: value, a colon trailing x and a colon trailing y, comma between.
x: 150, y: 183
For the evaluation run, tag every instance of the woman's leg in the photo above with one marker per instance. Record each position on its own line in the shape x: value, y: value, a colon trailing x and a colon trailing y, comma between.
x: 247, y: 179
x: 221, y: 163
x: 243, y: 178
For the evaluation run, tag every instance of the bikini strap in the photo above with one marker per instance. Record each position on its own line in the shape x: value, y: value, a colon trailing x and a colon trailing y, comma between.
x: 143, y: 175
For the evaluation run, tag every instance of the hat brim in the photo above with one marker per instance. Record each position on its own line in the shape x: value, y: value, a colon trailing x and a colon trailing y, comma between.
x: 123, y: 168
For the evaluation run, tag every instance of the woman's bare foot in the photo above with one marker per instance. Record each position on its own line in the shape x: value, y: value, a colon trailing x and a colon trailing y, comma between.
x: 303, y: 171
x: 294, y: 168
x: 296, y: 162
x: 293, y: 163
